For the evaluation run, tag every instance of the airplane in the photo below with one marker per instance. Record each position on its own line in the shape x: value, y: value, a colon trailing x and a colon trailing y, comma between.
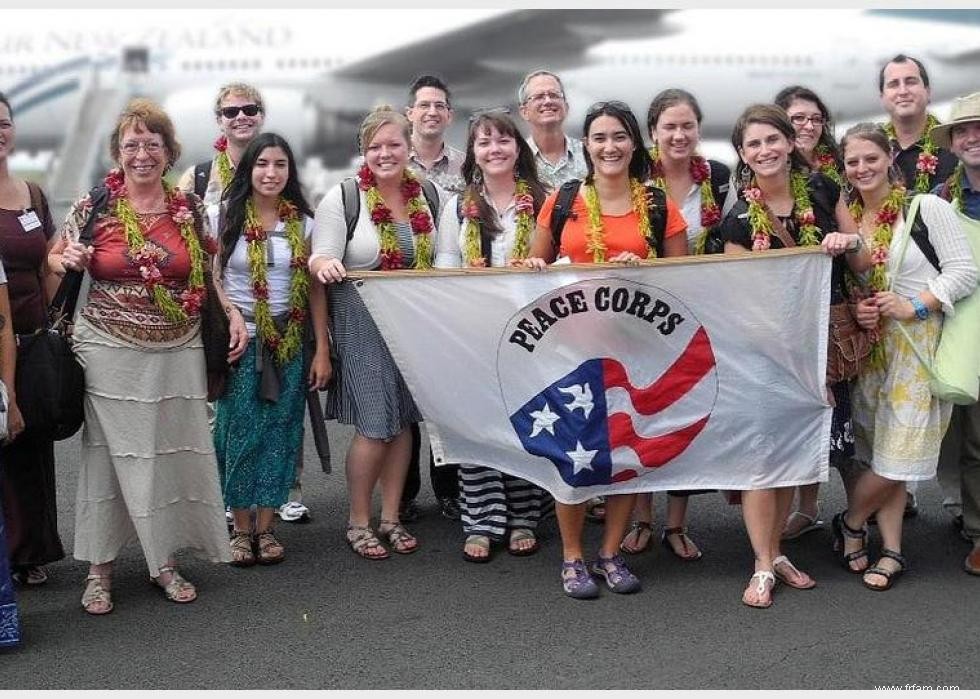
x: 68, y: 72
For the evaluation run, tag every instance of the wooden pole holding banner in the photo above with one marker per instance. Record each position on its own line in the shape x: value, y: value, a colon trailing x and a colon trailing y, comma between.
x: 685, y: 260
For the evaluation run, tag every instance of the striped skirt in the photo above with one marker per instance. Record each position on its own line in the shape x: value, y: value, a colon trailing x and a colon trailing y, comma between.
x: 367, y: 390
x: 494, y: 502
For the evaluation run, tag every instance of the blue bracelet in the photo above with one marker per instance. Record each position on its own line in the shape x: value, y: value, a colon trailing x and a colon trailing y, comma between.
x: 921, y: 310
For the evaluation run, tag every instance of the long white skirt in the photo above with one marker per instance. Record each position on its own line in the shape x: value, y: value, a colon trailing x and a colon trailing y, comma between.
x: 148, y: 469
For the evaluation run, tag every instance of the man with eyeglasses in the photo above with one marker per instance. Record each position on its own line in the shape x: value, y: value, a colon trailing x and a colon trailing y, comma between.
x: 904, y: 86
x: 240, y: 113
x: 543, y: 106
x: 431, y: 113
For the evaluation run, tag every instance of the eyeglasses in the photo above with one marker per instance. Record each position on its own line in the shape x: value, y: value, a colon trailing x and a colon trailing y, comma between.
x: 815, y: 119
x: 133, y: 147
x: 487, y: 111
x: 426, y: 106
x: 615, y: 104
x: 539, y: 97
x: 248, y: 109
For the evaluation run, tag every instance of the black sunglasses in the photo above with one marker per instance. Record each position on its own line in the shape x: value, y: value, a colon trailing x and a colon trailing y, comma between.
x: 232, y: 112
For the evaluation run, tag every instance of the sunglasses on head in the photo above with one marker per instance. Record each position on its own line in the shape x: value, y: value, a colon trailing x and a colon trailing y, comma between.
x: 248, y: 109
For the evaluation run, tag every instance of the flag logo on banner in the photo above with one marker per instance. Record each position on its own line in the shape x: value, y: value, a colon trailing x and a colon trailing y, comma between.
x: 600, y: 422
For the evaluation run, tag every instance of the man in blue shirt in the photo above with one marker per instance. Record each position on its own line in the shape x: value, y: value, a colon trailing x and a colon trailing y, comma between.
x: 959, y: 460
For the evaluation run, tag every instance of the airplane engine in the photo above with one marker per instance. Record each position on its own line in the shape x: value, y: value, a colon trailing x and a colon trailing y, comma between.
x: 289, y: 113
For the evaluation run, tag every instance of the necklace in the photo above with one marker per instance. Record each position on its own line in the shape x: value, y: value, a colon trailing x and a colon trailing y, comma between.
x: 418, y: 218
x: 881, y: 240
x: 927, y: 162
x: 700, y: 173
x: 954, y: 185
x: 761, y: 223
x: 146, y: 258
x: 524, y: 203
x: 284, y: 346
x: 596, y: 243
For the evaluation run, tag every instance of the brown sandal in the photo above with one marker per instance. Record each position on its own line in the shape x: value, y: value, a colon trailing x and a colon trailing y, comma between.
x: 689, y: 548
x: 242, y: 554
x: 270, y: 550
x: 360, y: 539
x: 399, y: 538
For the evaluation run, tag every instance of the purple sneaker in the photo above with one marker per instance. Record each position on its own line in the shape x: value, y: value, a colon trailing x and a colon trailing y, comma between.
x: 617, y: 576
x: 576, y: 581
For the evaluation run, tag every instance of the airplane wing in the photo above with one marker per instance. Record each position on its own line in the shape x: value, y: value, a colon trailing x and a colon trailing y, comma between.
x: 506, y: 47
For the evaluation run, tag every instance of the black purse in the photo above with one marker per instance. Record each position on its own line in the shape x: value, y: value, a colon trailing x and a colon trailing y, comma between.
x: 215, y: 329
x: 50, y: 382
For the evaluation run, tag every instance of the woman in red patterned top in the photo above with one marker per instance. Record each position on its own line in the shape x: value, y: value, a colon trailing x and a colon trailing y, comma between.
x: 148, y: 469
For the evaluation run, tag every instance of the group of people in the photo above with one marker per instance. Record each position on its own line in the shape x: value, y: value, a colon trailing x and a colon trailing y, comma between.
x: 169, y: 442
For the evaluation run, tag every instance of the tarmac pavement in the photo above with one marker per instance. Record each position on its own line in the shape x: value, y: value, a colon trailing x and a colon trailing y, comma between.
x: 327, y: 619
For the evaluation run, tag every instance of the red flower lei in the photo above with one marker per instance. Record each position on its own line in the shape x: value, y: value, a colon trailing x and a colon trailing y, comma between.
x: 418, y: 218
x: 700, y: 172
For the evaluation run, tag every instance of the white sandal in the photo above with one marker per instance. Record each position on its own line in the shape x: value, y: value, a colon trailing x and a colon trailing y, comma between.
x: 767, y: 581
x: 813, y: 524
x: 96, y: 593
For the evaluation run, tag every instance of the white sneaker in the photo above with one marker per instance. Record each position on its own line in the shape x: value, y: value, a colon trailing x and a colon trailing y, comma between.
x: 294, y: 512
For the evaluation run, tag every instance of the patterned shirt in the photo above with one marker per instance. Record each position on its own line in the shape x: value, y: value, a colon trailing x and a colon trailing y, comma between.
x: 571, y: 166
x: 446, y: 171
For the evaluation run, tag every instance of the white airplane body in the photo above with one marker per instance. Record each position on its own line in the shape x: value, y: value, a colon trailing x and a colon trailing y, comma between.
x: 321, y: 70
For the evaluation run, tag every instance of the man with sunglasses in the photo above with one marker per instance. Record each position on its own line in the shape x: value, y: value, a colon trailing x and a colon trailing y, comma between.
x: 240, y: 113
x: 543, y: 106
x: 430, y: 112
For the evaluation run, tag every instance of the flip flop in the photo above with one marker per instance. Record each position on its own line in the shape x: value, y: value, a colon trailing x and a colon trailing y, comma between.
x: 783, y: 560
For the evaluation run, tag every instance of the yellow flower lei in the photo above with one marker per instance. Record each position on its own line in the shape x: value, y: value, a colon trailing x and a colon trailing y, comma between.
x: 283, y: 346
x: 522, y: 233
x: 136, y: 242
x: 759, y: 220
x: 881, y: 240
x: 596, y: 243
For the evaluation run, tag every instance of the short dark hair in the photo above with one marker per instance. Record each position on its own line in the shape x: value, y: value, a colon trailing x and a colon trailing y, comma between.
x: 640, y: 162
x: 671, y: 98
x: 427, y: 81
x: 4, y: 100
x: 902, y: 58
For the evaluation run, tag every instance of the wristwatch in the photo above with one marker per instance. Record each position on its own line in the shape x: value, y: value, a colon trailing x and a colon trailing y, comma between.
x: 856, y: 247
x: 921, y: 310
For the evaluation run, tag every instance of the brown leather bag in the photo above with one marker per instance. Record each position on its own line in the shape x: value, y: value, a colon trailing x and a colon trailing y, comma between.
x: 848, y: 345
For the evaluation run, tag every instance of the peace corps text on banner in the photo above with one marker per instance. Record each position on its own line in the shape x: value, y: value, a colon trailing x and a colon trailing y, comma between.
x: 690, y: 373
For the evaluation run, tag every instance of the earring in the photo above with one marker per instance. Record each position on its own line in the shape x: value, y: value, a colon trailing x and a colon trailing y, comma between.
x: 744, y: 177
x: 477, y: 176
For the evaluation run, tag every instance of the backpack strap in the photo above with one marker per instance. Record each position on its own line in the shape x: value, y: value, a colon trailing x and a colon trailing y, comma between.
x: 40, y: 205
x: 562, y: 211
x: 720, y: 181
x: 657, y: 213
x: 431, y: 195
x: 352, y: 204
x: 62, y: 306
x: 202, y: 175
x: 920, y: 235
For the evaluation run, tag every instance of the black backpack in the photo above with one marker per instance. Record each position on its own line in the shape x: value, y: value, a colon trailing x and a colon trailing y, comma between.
x: 352, y: 203
x: 202, y: 175
x: 563, y: 209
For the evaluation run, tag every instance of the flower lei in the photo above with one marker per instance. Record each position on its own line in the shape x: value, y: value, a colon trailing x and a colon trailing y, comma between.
x: 761, y: 223
x: 596, y: 243
x: 926, y: 165
x: 522, y: 234
x: 284, y: 346
x: 881, y: 240
x: 827, y: 164
x: 146, y: 259
x: 701, y: 174
x: 225, y: 169
x: 418, y: 218
x: 954, y: 186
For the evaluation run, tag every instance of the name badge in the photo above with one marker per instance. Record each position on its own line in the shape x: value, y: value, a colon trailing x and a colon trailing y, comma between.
x: 29, y: 221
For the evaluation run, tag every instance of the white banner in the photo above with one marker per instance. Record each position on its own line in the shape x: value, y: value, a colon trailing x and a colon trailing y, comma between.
x: 703, y: 372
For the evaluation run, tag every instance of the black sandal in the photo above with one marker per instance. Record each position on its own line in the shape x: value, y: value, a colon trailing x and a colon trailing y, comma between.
x: 890, y: 576
x: 842, y: 531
